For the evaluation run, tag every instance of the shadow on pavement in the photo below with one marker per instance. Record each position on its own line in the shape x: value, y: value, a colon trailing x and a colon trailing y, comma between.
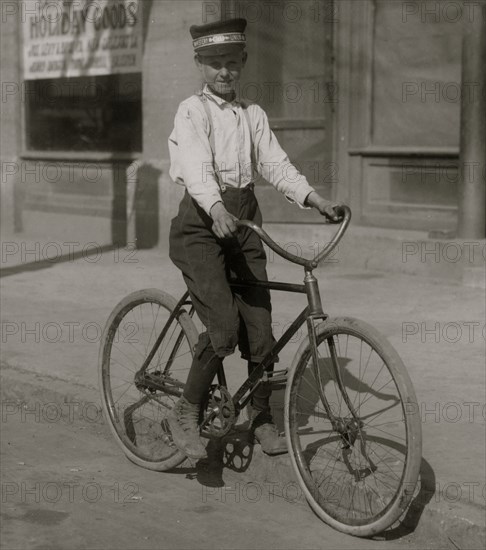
x: 44, y: 264
x: 410, y: 521
x: 233, y: 452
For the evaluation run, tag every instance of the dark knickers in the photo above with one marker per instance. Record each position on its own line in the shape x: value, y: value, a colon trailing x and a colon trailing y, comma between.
x: 206, y: 263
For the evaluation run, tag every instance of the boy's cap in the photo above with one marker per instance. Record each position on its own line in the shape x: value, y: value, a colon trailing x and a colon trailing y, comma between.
x: 218, y: 37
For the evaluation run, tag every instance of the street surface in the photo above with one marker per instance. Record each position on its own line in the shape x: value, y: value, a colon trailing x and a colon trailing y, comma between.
x: 68, y: 486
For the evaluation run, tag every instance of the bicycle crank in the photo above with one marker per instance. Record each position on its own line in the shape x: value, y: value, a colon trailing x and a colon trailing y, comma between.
x: 220, y: 413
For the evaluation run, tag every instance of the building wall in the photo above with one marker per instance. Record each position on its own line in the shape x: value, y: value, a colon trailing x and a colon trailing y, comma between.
x: 170, y: 76
x: 382, y: 147
x: 9, y: 127
x: 399, y: 71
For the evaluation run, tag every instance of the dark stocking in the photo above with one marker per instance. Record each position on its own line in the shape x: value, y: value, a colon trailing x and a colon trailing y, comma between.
x: 261, y: 398
x: 204, y: 367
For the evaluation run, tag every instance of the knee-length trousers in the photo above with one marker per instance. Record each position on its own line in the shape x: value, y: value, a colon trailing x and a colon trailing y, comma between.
x: 238, y: 316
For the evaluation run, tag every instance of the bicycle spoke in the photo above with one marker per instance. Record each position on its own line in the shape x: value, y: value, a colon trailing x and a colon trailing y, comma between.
x: 354, y: 467
x: 141, y: 425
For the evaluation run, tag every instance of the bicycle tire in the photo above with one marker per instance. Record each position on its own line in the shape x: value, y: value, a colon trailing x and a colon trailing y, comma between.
x: 348, y: 471
x: 136, y: 417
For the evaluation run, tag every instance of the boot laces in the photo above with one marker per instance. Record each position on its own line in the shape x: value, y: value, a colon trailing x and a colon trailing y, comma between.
x: 188, y: 416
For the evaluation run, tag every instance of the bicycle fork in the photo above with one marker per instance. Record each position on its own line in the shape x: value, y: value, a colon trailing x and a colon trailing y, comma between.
x: 316, y: 313
x: 347, y: 429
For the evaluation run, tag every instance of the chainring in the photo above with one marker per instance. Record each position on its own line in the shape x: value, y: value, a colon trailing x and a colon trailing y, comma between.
x: 220, y: 412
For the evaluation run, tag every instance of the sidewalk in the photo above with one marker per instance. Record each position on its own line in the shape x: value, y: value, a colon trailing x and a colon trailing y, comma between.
x: 52, y: 316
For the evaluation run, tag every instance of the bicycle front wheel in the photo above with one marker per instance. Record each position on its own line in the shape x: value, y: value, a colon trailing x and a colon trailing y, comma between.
x: 136, y: 402
x: 358, y: 459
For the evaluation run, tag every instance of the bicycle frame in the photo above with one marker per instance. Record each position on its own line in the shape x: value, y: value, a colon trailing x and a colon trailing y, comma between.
x: 353, y: 470
x: 310, y: 314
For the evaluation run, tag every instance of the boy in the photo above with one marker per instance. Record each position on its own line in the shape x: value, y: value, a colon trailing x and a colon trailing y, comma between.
x: 216, y: 145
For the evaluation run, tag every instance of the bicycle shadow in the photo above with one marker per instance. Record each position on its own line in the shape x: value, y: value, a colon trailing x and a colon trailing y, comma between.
x: 426, y: 485
x: 209, y: 473
x: 309, y: 404
x: 426, y: 490
x: 233, y: 452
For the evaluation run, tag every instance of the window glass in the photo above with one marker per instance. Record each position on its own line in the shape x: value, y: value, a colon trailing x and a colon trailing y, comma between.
x: 92, y: 113
x: 417, y: 75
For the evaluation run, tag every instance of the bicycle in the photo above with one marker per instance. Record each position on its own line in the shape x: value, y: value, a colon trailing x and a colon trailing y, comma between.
x: 351, y: 420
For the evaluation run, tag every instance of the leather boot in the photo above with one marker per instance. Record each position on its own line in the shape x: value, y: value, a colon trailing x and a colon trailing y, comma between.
x: 183, y: 423
x: 266, y: 433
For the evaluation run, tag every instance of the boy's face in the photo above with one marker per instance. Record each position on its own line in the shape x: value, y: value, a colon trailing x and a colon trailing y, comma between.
x: 222, y: 72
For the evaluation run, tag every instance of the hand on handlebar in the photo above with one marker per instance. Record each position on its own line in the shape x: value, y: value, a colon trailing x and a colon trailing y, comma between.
x: 225, y: 224
x: 326, y: 208
x: 331, y: 212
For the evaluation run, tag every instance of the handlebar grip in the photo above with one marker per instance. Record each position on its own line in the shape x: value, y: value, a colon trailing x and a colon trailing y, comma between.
x: 344, y: 212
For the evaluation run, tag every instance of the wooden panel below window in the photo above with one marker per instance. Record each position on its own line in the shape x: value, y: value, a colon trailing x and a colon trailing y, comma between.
x: 410, y: 193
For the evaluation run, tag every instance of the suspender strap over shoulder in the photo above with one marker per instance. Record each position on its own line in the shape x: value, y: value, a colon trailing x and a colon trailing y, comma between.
x: 205, y: 104
x: 204, y: 101
x: 252, y: 151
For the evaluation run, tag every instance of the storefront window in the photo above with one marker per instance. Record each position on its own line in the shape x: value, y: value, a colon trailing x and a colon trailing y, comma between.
x: 416, y: 76
x: 89, y: 113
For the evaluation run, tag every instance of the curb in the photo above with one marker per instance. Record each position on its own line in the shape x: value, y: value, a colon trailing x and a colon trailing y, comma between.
x: 233, y: 464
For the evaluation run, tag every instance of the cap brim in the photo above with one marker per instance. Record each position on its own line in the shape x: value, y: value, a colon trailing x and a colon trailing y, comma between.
x: 220, y: 49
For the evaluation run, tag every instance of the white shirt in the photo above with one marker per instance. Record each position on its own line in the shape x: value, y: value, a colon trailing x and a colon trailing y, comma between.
x: 192, y: 162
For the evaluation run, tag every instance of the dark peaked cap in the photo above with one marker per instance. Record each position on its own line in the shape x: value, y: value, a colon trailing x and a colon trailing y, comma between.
x: 217, y: 37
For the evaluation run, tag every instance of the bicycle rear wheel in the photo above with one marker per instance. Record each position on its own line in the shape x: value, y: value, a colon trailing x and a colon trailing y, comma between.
x: 360, y: 473
x: 136, y: 407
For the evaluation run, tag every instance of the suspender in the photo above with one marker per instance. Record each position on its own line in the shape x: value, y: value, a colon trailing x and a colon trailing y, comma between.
x: 204, y: 101
x: 252, y: 152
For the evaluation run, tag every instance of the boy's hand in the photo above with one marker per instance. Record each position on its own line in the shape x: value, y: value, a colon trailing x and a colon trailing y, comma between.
x: 224, y: 225
x: 326, y: 208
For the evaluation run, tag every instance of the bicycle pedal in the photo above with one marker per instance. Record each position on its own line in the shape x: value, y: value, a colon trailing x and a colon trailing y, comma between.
x: 166, y: 434
x: 167, y: 439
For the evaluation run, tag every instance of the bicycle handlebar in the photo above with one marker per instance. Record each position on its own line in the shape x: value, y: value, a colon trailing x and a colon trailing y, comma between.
x: 344, y: 213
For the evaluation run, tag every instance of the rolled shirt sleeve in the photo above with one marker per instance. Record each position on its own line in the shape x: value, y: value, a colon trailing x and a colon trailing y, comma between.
x: 274, y: 164
x: 191, y: 156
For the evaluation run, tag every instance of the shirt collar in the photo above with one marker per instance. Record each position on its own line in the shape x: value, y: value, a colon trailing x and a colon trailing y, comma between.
x: 219, y: 100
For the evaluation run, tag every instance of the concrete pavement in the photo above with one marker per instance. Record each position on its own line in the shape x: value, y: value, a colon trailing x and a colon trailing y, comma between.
x: 53, y: 313
x: 89, y: 496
